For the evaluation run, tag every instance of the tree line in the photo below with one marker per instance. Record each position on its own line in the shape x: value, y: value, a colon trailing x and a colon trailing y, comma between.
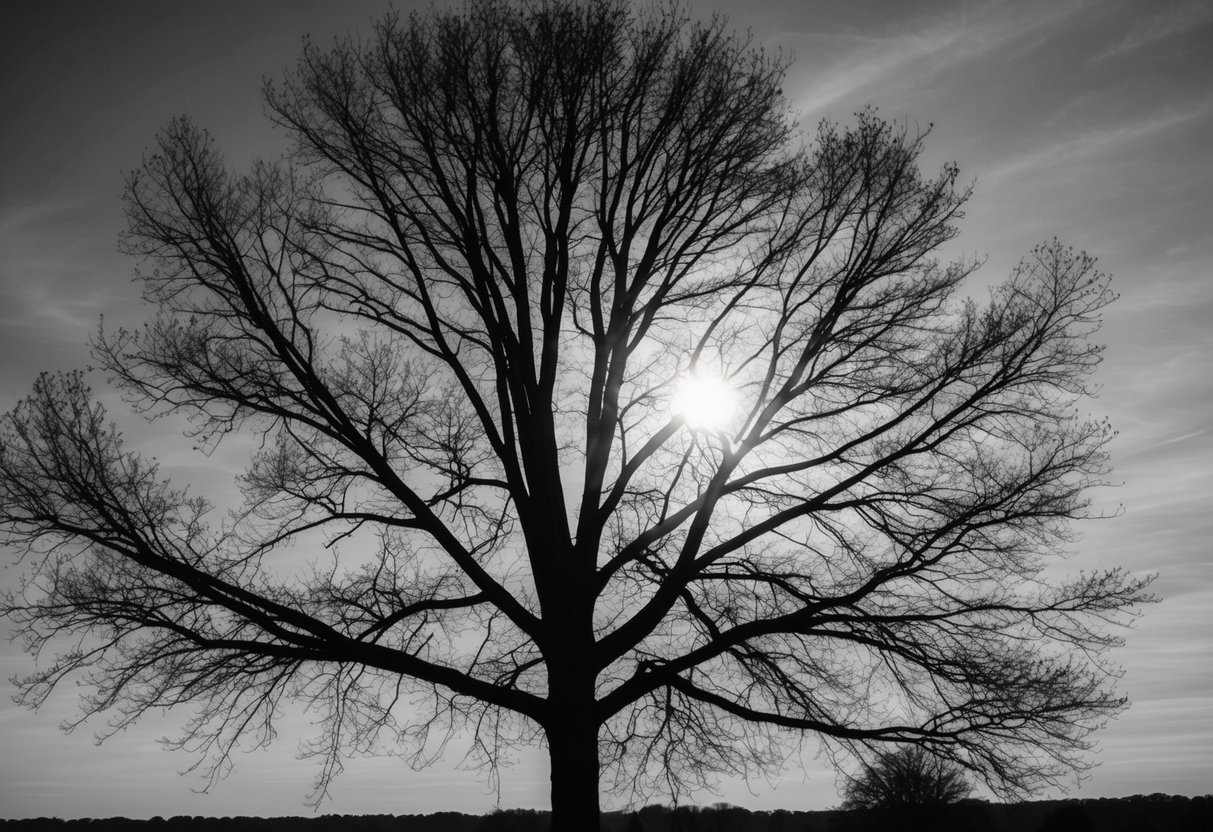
x: 1139, y: 813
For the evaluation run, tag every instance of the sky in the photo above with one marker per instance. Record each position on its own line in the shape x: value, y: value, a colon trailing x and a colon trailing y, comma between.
x: 1088, y: 120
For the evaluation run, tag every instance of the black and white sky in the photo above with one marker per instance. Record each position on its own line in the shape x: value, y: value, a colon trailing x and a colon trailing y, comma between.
x: 1089, y: 120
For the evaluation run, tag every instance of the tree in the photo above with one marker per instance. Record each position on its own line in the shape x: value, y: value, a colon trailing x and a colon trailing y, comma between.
x: 907, y: 777
x: 1071, y: 816
x: 456, y: 316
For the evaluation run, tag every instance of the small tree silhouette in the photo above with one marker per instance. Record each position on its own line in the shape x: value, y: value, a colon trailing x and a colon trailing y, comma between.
x: 907, y: 777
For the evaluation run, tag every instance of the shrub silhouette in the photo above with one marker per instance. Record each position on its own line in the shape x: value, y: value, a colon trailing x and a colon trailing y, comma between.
x: 908, y: 777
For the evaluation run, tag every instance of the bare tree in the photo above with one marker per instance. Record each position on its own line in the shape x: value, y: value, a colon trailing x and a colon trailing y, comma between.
x: 906, y: 777
x: 457, y: 317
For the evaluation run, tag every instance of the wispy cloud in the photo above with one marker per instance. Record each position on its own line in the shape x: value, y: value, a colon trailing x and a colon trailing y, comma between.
x: 1096, y: 140
x: 1184, y: 438
x: 17, y: 221
x: 928, y: 47
x: 1173, y: 21
x: 59, y: 271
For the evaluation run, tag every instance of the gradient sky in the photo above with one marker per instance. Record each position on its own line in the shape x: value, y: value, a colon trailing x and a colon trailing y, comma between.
x: 1090, y: 120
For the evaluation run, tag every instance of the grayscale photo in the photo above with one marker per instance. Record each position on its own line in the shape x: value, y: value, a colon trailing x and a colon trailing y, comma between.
x: 606, y: 416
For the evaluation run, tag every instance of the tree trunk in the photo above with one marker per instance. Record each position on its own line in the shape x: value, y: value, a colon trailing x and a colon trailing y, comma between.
x: 573, y: 748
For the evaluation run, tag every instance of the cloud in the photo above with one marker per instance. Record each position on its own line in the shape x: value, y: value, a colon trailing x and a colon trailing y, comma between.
x: 1096, y: 140
x: 1174, y: 21
x: 56, y: 257
x: 927, y: 46
x: 1174, y: 439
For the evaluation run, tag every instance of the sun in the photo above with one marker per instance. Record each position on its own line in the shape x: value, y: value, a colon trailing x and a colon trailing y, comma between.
x: 705, y: 402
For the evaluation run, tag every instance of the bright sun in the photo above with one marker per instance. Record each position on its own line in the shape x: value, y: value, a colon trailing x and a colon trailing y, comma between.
x: 706, y: 402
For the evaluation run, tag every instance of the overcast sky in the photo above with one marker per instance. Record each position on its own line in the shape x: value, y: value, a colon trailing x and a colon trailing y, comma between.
x: 1090, y: 120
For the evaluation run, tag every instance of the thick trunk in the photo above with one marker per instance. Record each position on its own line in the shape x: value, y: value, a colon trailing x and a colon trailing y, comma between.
x: 573, y: 746
x: 570, y: 721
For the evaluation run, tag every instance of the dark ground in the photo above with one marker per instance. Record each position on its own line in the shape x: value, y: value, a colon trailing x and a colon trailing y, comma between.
x: 1140, y: 813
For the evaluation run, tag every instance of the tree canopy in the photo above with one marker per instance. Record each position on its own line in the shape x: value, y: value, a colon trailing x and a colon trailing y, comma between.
x: 456, y: 316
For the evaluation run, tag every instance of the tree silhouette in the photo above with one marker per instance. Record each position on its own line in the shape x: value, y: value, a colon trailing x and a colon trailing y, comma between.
x: 456, y: 318
x: 1071, y: 817
x: 907, y: 777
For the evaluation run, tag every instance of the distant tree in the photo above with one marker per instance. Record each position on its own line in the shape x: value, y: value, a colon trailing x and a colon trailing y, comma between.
x: 601, y: 413
x: 906, y: 777
x: 512, y: 820
x: 1071, y: 817
x: 687, y: 819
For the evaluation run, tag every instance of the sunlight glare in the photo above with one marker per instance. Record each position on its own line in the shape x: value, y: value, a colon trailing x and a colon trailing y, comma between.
x: 705, y: 402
